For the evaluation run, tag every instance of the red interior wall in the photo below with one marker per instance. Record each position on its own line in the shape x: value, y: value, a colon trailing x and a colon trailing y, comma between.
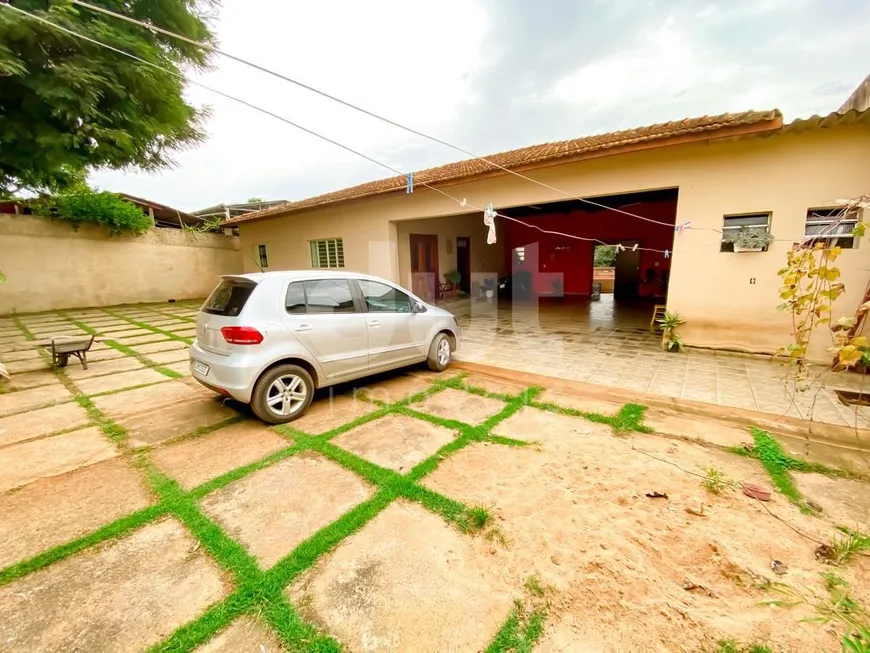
x: 575, y: 264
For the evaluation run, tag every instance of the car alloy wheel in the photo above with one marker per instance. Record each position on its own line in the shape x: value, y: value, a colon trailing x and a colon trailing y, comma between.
x: 443, y: 352
x: 286, y: 395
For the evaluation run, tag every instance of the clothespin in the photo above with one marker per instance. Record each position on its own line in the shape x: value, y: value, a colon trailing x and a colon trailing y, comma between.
x: 680, y: 228
x: 462, y: 202
x: 409, y: 188
x: 489, y: 220
x: 667, y: 254
x: 620, y: 247
x: 634, y: 248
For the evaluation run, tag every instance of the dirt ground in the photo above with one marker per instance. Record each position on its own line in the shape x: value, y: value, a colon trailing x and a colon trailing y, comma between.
x: 138, y: 510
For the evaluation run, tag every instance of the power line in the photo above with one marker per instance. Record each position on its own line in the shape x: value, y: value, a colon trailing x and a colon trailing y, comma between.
x: 462, y: 202
x: 350, y: 105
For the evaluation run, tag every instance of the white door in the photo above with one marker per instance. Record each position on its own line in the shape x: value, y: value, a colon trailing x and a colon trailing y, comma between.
x: 322, y: 315
x: 396, y: 334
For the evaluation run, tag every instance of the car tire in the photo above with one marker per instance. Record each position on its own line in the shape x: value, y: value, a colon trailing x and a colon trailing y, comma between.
x: 438, y: 360
x: 298, y: 391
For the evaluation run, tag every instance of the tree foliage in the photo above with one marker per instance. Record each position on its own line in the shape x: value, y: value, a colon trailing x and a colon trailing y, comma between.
x: 605, y: 255
x: 67, y: 106
x: 86, y: 206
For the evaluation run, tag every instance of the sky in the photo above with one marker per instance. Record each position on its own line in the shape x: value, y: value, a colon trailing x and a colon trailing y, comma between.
x: 488, y: 76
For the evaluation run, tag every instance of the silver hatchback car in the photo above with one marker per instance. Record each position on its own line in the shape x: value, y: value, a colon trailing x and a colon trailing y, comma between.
x: 270, y: 339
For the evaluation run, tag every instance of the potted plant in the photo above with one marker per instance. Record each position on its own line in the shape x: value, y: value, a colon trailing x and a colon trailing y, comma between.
x: 671, y: 341
x: 749, y: 239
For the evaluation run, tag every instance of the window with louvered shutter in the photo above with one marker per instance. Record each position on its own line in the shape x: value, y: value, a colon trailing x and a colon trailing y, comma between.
x: 327, y: 253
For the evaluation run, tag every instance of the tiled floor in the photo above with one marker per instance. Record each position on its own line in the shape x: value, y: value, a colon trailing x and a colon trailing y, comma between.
x: 605, y: 344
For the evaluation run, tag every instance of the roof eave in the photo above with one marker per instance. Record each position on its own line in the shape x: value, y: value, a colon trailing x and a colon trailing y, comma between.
x: 760, y: 127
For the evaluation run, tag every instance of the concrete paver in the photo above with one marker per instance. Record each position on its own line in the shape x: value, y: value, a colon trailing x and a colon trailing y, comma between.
x: 113, y: 382
x: 275, y: 509
x: 26, y: 462
x: 244, y: 635
x: 23, y: 400
x: 459, y: 405
x: 121, y: 597
x: 36, y: 423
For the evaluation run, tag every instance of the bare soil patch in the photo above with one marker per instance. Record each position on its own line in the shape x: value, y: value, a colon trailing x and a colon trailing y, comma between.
x: 244, y: 635
x: 195, y: 461
x: 273, y: 510
x: 36, y: 423
x: 55, y: 510
x: 575, y: 511
x: 460, y: 405
x: 26, y: 462
x: 407, y: 582
x: 395, y: 441
x: 121, y: 597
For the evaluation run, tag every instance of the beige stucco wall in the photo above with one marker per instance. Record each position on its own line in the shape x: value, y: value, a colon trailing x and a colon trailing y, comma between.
x: 49, y: 265
x: 486, y: 260
x: 786, y: 174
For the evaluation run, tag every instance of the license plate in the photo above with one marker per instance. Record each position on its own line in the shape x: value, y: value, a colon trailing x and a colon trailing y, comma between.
x: 200, y: 368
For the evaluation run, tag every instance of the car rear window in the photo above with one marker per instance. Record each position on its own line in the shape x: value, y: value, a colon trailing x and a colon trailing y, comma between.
x: 229, y: 297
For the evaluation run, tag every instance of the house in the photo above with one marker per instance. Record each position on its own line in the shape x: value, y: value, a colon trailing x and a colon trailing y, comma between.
x: 668, y: 193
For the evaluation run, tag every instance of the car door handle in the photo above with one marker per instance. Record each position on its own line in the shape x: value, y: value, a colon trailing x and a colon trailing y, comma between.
x: 302, y: 328
x: 374, y: 323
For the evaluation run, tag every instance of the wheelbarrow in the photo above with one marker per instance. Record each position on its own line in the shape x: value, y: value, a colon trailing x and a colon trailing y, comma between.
x: 62, y: 347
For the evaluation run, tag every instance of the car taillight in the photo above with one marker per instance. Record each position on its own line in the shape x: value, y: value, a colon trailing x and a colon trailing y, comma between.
x: 241, y: 335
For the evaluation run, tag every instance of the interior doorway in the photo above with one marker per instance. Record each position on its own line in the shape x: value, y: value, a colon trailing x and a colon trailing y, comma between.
x: 626, y: 271
x: 424, y: 265
x: 463, y: 262
x: 603, y: 259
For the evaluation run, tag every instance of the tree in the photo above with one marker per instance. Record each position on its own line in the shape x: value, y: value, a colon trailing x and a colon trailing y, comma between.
x: 67, y: 106
x: 251, y: 200
x: 604, y: 256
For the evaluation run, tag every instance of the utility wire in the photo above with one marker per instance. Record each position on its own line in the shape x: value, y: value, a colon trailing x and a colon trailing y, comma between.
x: 350, y: 105
x: 461, y: 202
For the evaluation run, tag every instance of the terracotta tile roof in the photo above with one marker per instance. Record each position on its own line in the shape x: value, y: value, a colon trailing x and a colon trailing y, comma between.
x: 526, y: 157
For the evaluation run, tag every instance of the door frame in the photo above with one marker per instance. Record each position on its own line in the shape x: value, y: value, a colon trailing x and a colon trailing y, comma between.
x: 465, y: 280
x: 431, y: 284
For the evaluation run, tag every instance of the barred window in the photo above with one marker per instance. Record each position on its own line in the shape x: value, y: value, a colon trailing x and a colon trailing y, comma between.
x: 327, y: 253
x: 822, y: 227
x: 731, y: 224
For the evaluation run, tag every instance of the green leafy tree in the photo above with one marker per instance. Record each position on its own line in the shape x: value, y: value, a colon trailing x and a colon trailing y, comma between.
x: 67, y: 106
x: 604, y: 256
x: 85, y: 206
x: 251, y: 200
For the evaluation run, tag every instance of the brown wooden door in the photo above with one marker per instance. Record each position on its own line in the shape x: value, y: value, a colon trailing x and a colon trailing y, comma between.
x: 424, y: 265
x: 463, y: 262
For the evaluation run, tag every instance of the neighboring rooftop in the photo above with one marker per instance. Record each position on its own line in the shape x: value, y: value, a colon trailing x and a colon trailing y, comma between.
x: 860, y: 98
x: 659, y: 135
x: 228, y: 211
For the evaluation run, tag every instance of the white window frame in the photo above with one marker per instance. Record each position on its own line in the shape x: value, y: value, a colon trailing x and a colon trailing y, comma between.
x: 334, y: 253
x: 726, y: 228
x: 830, y: 240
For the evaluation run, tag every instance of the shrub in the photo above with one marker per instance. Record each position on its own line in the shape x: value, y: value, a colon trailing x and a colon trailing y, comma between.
x: 118, y: 216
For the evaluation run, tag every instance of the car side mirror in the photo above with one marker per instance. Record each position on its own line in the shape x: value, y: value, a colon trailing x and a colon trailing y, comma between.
x: 419, y: 307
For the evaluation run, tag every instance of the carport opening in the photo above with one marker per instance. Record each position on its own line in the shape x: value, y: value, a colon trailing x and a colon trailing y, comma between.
x: 612, y: 251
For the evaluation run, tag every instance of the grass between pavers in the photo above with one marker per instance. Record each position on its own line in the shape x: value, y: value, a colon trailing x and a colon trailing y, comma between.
x: 262, y: 591
x: 124, y: 349
x: 157, y: 330
x: 779, y: 466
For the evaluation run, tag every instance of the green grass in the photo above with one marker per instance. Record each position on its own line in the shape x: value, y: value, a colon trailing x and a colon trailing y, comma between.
x: 848, y: 544
x: 148, y: 327
x: 733, y: 646
x: 520, y: 631
x: 778, y: 465
x: 261, y: 592
x: 114, y: 344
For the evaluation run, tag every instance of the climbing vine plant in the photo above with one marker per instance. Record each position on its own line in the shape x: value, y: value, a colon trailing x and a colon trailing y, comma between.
x: 811, y: 284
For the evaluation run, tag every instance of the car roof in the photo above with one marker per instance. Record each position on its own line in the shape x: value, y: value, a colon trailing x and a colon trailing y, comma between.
x: 256, y: 277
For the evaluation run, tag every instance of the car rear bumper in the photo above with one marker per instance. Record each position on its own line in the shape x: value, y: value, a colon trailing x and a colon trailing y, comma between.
x: 231, y: 375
